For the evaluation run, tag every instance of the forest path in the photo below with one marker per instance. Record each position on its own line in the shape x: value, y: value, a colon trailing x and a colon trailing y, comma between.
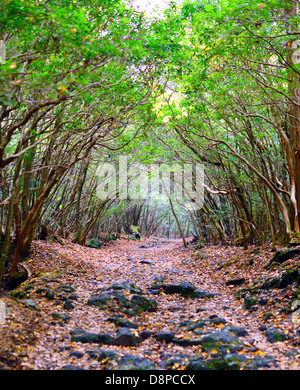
x: 97, y: 310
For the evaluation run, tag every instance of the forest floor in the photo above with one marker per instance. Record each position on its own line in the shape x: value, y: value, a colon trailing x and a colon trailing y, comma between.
x: 149, y: 304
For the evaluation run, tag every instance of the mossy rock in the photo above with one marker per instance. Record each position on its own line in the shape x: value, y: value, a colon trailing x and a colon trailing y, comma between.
x: 288, y: 277
x: 185, y: 289
x: 282, y: 255
x: 50, y: 295
x: 127, y: 338
x: 122, y: 322
x: 221, y: 341
x: 241, y: 293
x: 32, y: 304
x: 230, y: 361
x: 141, y: 303
x: 270, y: 283
x: 80, y: 335
x: 132, y: 362
x: 274, y: 335
x: 93, y: 243
x: 61, y: 316
x: 249, y: 302
x: 112, y: 300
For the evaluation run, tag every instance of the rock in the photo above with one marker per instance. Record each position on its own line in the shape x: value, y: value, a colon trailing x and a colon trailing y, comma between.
x: 202, y: 294
x: 268, y: 315
x: 262, y: 301
x: 214, y: 319
x: 76, y: 354
x: 146, y: 262
x: 235, y: 282
x: 175, y: 308
x: 238, y: 331
x: 63, y: 317
x: 68, y: 305
x: 198, y: 324
x: 282, y: 255
x: 166, y: 337
x: 101, y: 354
x: 32, y: 304
x: 221, y: 341
x: 112, y: 300
x: 100, y: 300
x: 175, y: 362
x: 145, y: 334
x: 270, y: 283
x: 288, y: 277
x: 65, y: 288
x: 93, y: 243
x: 82, y: 336
x: 186, y: 342
x: 77, y: 331
x: 50, y: 295
x: 262, y: 328
x: 230, y: 361
x: 122, y: 322
x: 262, y: 361
x: 249, y: 302
x: 71, y: 367
x: 273, y: 335
x: 127, y: 338
x: 241, y: 293
x: 130, y: 287
x: 140, y: 303
x: 196, y: 364
x: 130, y: 362
x: 185, y: 289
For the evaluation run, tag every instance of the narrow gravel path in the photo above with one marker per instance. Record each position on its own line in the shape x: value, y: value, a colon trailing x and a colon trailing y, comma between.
x: 149, y: 304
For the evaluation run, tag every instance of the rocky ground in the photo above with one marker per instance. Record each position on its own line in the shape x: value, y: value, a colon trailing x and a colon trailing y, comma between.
x: 153, y: 304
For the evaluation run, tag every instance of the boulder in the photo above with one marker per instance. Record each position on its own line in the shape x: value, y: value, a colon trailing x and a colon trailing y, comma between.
x: 118, y: 297
x: 127, y: 338
x: 93, y: 243
x: 185, y: 289
x: 222, y: 341
x: 100, y: 354
x: 235, y: 282
x: 132, y: 362
x: 166, y: 337
x: 273, y: 335
x: 122, y: 322
x: 140, y: 303
x: 80, y: 335
x: 282, y: 255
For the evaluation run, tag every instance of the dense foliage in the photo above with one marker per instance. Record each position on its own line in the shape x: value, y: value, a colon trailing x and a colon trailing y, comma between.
x: 211, y: 82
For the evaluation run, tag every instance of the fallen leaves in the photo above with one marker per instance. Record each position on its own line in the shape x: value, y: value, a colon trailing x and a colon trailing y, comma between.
x: 89, y: 269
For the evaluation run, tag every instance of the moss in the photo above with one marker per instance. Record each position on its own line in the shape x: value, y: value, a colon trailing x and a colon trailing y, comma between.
x: 241, y: 293
x: 288, y: 277
x: 142, y: 303
x: 249, y: 302
x: 268, y: 315
x: 281, y: 256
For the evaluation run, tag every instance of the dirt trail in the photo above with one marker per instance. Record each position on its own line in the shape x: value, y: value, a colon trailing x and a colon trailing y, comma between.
x: 77, y: 289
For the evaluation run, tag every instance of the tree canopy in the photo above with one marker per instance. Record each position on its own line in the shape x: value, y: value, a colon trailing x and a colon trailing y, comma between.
x: 213, y: 82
